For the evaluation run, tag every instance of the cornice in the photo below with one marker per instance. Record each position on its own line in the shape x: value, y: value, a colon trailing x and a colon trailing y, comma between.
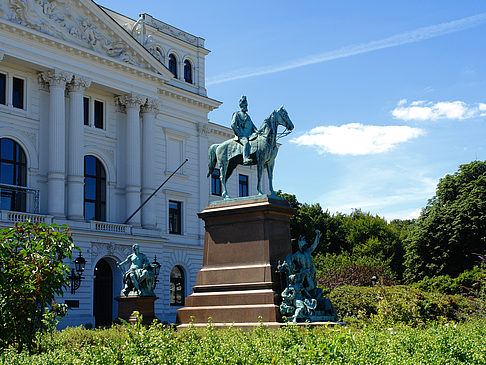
x: 44, y: 39
x: 188, y: 97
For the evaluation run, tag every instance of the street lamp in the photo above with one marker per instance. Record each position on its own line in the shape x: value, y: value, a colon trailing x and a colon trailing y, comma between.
x: 156, y: 267
x: 76, y: 277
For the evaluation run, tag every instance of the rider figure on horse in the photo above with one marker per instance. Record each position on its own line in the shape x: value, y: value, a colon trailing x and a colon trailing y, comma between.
x: 244, y: 128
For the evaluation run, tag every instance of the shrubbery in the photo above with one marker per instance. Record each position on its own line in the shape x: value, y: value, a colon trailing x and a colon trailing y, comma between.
x: 439, y: 344
x: 31, y: 274
x: 399, y: 304
x: 335, y: 270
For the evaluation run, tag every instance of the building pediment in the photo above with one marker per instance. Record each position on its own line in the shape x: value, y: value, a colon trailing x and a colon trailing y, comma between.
x: 82, y: 23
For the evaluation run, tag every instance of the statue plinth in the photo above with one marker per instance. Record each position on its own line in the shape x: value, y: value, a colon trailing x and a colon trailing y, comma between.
x: 244, y: 240
x: 143, y: 305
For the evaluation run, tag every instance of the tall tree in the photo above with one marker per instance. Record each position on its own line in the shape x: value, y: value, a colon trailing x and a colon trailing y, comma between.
x: 452, y: 227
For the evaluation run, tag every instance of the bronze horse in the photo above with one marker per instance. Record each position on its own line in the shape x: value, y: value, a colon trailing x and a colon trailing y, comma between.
x: 229, y: 154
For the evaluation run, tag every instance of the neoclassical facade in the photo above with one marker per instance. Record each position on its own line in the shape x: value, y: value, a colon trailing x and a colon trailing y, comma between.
x: 96, y: 111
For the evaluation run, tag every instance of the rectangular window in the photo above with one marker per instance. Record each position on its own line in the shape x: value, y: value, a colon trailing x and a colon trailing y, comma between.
x: 98, y: 114
x: 243, y: 185
x: 175, y: 217
x: 18, y: 93
x: 215, y: 183
x: 86, y: 110
x: 3, y: 89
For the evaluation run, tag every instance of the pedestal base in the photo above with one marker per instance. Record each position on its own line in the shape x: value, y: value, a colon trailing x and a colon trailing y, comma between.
x: 244, y: 240
x: 143, y: 305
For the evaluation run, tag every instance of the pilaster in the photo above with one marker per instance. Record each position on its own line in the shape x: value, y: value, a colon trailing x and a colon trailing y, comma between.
x: 57, y: 143
x: 149, y: 110
x: 75, y: 163
x: 132, y: 103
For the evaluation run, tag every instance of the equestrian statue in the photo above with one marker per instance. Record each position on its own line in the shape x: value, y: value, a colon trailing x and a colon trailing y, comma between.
x: 249, y: 146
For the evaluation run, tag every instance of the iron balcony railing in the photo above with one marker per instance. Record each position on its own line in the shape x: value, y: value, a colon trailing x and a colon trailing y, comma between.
x: 19, y: 198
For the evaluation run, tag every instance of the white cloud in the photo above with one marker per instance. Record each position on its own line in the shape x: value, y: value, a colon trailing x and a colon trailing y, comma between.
x: 415, y: 214
x: 413, y: 36
x: 356, y: 138
x: 427, y: 110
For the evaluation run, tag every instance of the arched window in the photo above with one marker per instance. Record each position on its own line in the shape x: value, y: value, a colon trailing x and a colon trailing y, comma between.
x: 187, y: 71
x: 94, y: 189
x: 173, y: 64
x: 13, y: 174
x: 177, y: 286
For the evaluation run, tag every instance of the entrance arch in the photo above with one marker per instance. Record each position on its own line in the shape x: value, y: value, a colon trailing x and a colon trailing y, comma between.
x: 103, y: 294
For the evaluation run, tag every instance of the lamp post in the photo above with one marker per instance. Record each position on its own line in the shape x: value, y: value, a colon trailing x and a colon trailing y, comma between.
x: 76, y: 277
x: 156, y: 267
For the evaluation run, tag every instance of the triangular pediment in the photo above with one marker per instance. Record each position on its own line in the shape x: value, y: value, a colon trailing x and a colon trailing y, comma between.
x: 82, y: 23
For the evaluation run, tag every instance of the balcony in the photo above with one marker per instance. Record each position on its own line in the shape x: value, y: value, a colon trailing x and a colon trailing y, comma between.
x: 20, y: 204
x: 110, y: 227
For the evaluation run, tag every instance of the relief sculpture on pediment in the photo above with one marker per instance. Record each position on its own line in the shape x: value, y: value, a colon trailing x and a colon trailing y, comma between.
x: 62, y: 19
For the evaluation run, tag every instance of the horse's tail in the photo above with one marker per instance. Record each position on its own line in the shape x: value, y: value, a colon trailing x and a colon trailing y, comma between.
x: 212, y: 159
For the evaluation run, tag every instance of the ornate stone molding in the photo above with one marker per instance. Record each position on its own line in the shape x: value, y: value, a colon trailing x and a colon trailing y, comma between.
x: 131, y: 101
x: 79, y: 83
x: 56, y: 78
x: 202, y: 130
x: 151, y: 106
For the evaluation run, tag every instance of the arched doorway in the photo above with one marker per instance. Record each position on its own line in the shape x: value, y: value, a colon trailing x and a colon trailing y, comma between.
x: 103, y: 294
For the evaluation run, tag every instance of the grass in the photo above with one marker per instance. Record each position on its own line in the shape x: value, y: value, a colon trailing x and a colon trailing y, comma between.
x: 460, y: 343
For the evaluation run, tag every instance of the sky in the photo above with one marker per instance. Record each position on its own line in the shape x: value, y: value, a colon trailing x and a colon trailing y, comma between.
x: 386, y: 96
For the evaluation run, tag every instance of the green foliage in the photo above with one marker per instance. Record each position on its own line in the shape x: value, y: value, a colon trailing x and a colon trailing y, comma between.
x: 31, y: 274
x: 451, y: 228
x: 335, y: 270
x: 359, y: 233
x: 433, y: 344
x: 468, y: 282
x: 398, y: 304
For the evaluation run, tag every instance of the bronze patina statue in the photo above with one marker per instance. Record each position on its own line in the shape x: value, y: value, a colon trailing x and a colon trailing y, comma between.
x: 244, y: 129
x: 301, y: 298
x: 139, y: 279
x: 250, y: 147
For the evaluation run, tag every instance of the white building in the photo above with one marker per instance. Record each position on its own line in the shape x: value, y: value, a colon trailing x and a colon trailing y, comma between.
x: 96, y: 111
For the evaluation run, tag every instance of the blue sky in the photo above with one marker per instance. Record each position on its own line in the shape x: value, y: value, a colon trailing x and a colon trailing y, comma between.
x: 386, y: 96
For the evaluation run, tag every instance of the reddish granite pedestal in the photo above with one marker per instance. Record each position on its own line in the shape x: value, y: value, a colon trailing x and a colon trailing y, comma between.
x: 243, y: 242
x: 143, y: 305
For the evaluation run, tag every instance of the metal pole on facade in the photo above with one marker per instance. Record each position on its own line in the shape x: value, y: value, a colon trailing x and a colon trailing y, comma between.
x: 155, y: 192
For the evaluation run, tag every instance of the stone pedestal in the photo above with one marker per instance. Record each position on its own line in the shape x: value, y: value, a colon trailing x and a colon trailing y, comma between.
x: 143, y: 305
x: 244, y: 240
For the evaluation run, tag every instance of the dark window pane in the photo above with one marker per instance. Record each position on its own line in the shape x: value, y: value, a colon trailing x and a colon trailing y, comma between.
x: 89, y: 211
x: 173, y: 65
x: 18, y: 93
x: 86, y: 110
x: 243, y: 185
x: 98, y: 114
x: 7, y: 146
x: 90, y: 188
x: 3, y: 89
x: 215, y: 183
x: 175, y: 217
x: 94, y: 189
x: 187, y: 71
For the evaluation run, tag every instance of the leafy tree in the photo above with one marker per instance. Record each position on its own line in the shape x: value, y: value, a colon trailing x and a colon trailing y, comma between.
x: 32, y: 272
x: 451, y: 228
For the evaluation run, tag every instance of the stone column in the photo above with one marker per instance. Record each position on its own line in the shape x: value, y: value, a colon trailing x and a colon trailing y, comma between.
x: 203, y: 145
x: 148, y: 184
x: 132, y: 104
x: 57, y: 142
x: 75, y: 164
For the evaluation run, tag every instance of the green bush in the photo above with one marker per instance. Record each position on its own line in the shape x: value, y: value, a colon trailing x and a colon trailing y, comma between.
x: 398, y: 304
x: 335, y: 270
x: 31, y: 274
x: 434, y: 344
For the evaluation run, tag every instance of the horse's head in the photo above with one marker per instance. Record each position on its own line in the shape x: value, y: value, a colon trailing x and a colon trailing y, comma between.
x: 283, y: 118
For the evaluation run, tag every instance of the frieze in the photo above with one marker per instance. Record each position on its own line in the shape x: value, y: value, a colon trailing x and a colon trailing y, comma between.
x: 65, y: 20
